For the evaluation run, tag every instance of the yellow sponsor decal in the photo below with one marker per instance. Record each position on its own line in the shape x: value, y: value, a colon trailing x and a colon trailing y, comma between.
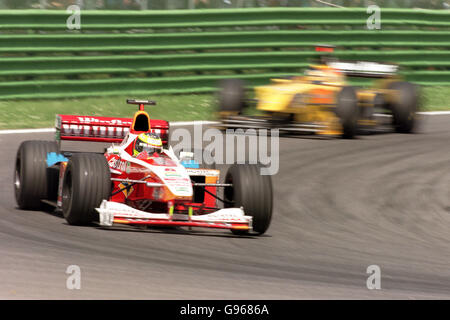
x: 127, y: 189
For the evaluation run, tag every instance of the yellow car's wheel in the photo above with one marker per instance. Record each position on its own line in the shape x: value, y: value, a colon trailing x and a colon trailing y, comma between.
x: 231, y: 95
x: 347, y: 111
x: 405, y: 106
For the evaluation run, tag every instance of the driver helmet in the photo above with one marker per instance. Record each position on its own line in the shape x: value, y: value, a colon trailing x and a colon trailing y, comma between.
x: 147, y: 142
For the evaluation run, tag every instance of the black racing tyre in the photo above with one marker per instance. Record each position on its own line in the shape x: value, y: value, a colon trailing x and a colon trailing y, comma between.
x: 231, y: 95
x: 32, y: 179
x: 405, y: 106
x: 87, y: 181
x: 347, y: 111
x: 253, y: 192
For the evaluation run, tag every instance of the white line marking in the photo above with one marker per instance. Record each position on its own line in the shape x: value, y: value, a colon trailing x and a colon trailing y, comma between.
x: 187, y: 123
x: 27, y: 130
x: 191, y: 123
x: 427, y: 113
x: 434, y: 113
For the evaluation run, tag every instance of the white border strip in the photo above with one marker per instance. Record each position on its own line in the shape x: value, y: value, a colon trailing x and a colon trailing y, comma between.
x: 191, y: 123
x: 27, y: 130
x: 434, y: 113
x: 426, y: 113
x: 183, y: 123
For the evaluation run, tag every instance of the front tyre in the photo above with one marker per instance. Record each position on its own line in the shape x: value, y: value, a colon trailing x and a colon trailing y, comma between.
x: 253, y: 192
x: 404, y: 107
x: 32, y: 179
x: 87, y: 181
x: 347, y: 111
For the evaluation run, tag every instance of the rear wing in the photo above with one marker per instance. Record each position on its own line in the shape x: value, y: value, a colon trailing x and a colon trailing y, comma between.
x: 366, y: 69
x: 102, y: 129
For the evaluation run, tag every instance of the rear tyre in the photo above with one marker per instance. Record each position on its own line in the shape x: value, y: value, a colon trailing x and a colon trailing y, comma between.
x: 405, y: 106
x: 231, y: 95
x: 253, y: 192
x: 87, y: 181
x: 33, y: 181
x: 347, y: 111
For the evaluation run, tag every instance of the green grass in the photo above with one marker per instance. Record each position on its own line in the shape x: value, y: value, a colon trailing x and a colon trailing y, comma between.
x: 41, y: 113
x: 436, y: 98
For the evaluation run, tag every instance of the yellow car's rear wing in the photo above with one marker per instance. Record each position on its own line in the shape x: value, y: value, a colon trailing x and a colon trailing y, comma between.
x: 365, y: 69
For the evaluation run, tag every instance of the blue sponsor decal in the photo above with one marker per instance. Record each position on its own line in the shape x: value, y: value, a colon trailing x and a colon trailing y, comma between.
x: 190, y: 164
x: 54, y: 158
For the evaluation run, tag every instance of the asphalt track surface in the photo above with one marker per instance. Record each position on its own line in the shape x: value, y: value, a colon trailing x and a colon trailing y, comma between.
x: 340, y: 206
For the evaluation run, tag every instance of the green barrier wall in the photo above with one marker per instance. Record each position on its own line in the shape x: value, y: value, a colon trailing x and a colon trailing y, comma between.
x: 186, y: 51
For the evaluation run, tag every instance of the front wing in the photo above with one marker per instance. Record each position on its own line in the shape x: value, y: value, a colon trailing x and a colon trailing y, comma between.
x: 113, y: 213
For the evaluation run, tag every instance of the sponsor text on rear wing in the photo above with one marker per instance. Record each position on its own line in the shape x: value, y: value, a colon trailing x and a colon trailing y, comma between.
x: 365, y: 68
x: 102, y: 129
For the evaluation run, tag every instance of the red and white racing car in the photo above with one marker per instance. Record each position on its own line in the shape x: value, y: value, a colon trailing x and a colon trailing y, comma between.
x: 123, y: 186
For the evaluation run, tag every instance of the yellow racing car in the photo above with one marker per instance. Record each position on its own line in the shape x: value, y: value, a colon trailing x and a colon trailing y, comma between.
x: 323, y: 102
